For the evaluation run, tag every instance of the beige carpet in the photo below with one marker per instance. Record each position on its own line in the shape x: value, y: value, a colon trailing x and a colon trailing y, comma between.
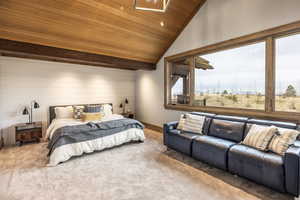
x: 138, y: 171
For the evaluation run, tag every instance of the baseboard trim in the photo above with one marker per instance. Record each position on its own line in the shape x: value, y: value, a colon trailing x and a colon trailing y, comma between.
x: 153, y: 127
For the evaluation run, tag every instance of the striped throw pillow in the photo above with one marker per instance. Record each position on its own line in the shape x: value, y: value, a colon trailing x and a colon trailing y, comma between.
x: 181, y: 122
x: 259, y: 136
x: 193, y: 123
x: 282, y: 140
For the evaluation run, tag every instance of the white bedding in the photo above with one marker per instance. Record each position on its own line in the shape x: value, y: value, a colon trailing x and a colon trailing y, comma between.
x: 65, y: 152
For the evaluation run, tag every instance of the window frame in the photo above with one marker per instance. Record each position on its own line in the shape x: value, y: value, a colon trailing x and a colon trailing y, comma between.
x: 269, y: 37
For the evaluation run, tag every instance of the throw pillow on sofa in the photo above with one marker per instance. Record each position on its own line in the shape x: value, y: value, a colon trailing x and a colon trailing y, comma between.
x: 193, y: 123
x: 181, y: 122
x: 259, y: 136
x: 282, y: 140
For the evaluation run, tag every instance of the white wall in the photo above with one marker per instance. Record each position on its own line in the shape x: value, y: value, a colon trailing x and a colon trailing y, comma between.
x: 216, y: 21
x: 52, y: 83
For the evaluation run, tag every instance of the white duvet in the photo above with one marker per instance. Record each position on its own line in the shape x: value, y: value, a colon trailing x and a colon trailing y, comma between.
x: 65, y: 152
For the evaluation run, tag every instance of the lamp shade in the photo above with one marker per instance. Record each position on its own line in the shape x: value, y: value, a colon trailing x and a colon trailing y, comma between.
x: 36, y: 105
x: 121, y: 106
x: 25, y: 111
x: 126, y: 101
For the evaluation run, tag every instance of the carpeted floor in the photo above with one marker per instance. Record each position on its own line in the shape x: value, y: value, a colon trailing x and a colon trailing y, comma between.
x: 138, y: 171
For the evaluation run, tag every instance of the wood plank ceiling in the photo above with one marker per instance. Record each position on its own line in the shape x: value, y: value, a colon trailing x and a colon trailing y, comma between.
x: 105, y: 27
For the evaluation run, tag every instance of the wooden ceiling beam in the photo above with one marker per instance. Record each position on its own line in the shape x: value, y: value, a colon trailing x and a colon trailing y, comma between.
x: 41, y: 52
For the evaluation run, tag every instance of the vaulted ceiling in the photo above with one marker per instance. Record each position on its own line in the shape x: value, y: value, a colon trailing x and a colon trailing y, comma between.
x: 106, y: 27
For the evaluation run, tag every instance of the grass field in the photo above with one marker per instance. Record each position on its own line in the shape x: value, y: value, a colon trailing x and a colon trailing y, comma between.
x: 290, y: 104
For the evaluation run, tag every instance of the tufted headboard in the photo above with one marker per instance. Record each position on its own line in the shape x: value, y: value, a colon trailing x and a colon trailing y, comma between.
x: 52, y: 109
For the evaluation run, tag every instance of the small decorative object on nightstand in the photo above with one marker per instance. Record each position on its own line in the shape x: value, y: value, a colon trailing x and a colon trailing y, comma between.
x: 28, y: 133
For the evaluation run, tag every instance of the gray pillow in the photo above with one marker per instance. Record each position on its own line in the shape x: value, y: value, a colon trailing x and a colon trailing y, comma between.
x: 92, y: 108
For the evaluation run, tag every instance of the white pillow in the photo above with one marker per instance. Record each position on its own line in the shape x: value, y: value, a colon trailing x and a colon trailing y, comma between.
x: 193, y: 123
x: 181, y: 122
x: 282, y: 140
x: 259, y: 136
x: 64, y: 112
x: 107, y: 110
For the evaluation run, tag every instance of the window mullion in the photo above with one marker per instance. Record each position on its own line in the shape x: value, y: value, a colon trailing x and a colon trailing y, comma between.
x: 192, y: 64
x: 270, y: 75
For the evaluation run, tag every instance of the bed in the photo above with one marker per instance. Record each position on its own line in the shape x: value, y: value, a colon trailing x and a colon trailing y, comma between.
x: 72, y: 137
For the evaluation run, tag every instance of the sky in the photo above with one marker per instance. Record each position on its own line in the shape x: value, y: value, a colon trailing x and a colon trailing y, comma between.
x: 242, y: 69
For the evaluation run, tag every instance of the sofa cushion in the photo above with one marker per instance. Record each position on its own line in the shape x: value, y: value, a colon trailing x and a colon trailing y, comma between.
x: 211, y: 150
x: 226, y: 129
x: 261, y: 167
x: 181, y: 141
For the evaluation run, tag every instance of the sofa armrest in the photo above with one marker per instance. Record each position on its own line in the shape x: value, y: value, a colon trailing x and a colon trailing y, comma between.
x: 167, y: 127
x: 292, y: 170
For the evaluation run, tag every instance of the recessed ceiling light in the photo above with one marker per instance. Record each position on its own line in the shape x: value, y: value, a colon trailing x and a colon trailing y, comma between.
x: 162, y: 23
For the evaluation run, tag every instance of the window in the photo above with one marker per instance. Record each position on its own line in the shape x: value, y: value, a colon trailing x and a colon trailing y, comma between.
x: 257, y: 75
x: 233, y: 78
x: 287, y: 92
x: 180, y: 82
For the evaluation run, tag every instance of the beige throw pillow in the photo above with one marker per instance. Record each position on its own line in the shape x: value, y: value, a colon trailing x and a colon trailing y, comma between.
x: 193, y: 123
x: 259, y: 137
x: 282, y: 140
x: 181, y: 122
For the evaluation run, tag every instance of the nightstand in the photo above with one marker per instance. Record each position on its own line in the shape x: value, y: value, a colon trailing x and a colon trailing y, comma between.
x: 28, y: 133
x: 128, y: 115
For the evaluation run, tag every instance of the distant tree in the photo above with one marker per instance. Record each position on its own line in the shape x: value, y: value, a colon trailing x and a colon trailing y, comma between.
x: 290, y: 91
x: 225, y: 92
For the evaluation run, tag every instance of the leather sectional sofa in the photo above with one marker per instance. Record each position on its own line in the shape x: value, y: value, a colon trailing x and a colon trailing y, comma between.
x: 220, y: 146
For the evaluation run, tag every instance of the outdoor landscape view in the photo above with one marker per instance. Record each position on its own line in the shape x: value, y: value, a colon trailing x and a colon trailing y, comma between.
x: 237, y: 77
